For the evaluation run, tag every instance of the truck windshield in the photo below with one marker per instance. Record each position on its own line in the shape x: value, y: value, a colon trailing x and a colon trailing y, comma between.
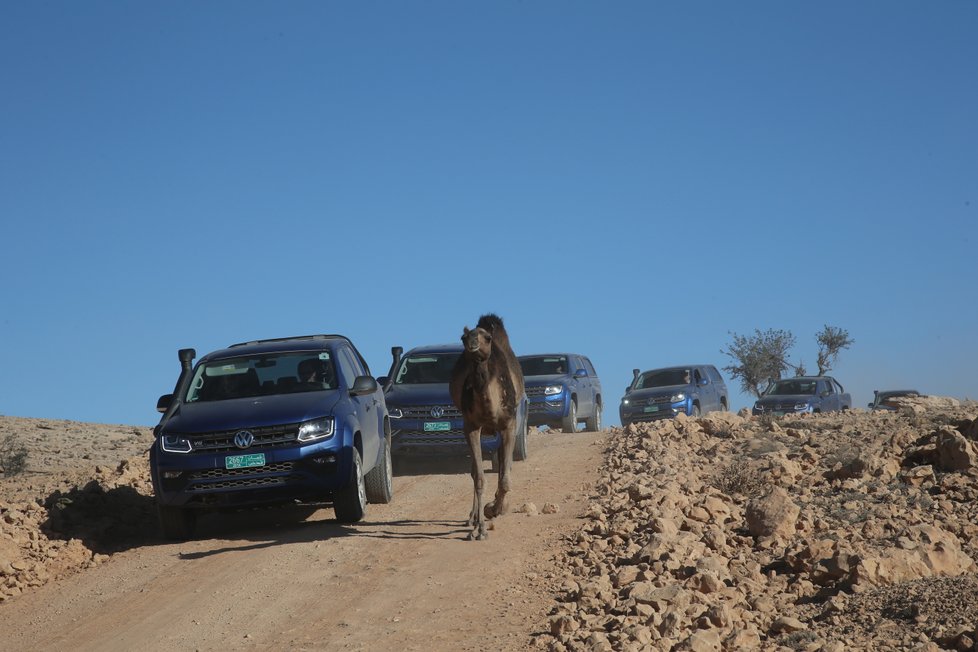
x: 544, y: 365
x: 663, y: 378
x: 428, y: 368
x: 792, y: 388
x: 264, y: 375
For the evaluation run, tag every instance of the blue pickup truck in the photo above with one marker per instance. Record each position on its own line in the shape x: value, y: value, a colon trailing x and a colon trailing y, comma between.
x: 424, y: 421
x: 803, y: 394
x: 271, y: 421
x: 563, y: 389
x: 667, y: 392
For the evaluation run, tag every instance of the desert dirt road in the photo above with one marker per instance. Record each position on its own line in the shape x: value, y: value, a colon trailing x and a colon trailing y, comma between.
x: 403, y: 579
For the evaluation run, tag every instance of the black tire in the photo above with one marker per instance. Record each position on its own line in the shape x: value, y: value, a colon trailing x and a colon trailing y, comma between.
x: 379, y: 480
x: 593, y: 423
x: 569, y: 424
x: 350, y: 502
x: 696, y: 412
x: 519, y: 448
x: 177, y: 524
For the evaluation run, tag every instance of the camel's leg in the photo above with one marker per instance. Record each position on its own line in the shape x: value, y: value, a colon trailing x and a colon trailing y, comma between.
x: 500, y: 506
x: 476, y: 519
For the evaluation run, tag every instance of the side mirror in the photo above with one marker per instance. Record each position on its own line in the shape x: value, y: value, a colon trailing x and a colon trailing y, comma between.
x: 163, y: 404
x: 869, y: 405
x: 704, y: 381
x: 363, y: 385
x: 628, y: 389
x: 580, y: 373
x: 382, y: 380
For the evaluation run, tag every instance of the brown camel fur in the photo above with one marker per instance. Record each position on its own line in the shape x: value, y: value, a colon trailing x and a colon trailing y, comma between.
x: 487, y: 386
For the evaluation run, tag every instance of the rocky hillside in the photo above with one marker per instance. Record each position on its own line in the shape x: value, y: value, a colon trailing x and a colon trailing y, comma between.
x: 816, y: 532
x: 83, y: 493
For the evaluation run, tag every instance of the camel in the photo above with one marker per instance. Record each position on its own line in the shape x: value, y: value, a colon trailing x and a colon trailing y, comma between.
x: 487, y: 386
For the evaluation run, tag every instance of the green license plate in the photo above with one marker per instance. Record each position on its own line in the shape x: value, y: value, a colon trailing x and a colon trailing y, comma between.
x: 244, y: 461
x: 652, y: 408
x: 778, y: 414
x: 437, y: 426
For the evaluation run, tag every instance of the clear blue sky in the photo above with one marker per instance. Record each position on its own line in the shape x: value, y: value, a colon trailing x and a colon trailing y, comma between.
x: 628, y: 180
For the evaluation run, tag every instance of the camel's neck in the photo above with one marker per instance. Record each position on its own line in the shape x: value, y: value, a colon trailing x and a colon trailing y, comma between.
x: 480, y: 374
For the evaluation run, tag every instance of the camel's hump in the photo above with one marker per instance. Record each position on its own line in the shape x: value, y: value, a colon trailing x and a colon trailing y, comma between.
x: 490, y: 322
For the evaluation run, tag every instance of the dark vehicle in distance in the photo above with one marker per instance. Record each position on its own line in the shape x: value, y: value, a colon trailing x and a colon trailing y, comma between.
x: 803, y: 394
x: 664, y: 393
x: 884, y: 400
x: 563, y: 389
x: 424, y: 421
x: 271, y: 421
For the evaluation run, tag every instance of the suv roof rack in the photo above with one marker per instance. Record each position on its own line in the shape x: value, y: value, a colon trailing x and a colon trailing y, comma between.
x: 286, y: 339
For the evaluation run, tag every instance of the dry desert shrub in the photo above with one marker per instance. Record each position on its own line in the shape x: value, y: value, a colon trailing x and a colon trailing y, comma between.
x: 739, y: 477
x: 13, y: 456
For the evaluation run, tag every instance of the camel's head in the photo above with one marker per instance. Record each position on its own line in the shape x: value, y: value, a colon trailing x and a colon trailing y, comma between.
x: 477, y: 343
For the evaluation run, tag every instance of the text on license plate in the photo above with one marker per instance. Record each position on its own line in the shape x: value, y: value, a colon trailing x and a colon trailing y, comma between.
x: 244, y: 461
x: 437, y: 426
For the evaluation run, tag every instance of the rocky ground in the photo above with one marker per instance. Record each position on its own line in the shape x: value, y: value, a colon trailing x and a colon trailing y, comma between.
x: 816, y: 532
x: 83, y: 491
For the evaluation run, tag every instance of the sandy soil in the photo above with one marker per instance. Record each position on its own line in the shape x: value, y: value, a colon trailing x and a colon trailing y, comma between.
x: 294, y: 578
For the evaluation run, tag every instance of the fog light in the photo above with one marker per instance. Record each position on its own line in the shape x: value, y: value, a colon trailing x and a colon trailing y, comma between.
x: 171, y: 474
x: 328, y: 459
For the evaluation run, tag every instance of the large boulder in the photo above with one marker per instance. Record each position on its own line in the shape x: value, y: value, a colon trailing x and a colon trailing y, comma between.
x: 773, y: 515
x: 954, y: 451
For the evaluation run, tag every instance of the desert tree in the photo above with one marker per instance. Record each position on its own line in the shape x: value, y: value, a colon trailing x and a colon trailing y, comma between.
x: 831, y: 340
x: 759, y: 358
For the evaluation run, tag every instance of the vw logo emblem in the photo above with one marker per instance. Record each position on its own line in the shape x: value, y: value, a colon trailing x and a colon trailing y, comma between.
x: 438, y: 412
x: 243, y: 439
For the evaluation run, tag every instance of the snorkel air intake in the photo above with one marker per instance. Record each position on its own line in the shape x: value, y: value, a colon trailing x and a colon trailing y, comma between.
x: 396, y: 352
x: 186, y: 357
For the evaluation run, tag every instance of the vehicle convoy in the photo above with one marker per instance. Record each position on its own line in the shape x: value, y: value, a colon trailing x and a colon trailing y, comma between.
x: 664, y: 393
x: 803, y: 394
x: 563, y: 389
x: 271, y: 421
x: 883, y: 400
x: 424, y: 421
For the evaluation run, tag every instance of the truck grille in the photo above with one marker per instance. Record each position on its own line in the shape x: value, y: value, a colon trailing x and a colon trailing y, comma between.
x: 424, y: 412
x: 533, y: 392
x: 266, y: 437
x: 238, y: 478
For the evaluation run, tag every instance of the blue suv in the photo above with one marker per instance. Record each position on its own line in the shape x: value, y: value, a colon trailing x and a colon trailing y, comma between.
x: 271, y: 421
x: 424, y: 421
x: 563, y: 389
x: 663, y: 393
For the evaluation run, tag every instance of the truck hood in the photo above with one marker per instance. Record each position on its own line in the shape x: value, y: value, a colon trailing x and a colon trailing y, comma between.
x: 548, y: 379
x: 788, y: 398
x: 419, y: 394
x: 655, y: 392
x: 253, y: 412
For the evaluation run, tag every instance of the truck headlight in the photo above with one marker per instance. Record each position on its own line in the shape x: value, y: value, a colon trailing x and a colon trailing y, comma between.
x: 552, y: 389
x: 802, y: 406
x: 624, y: 401
x: 395, y: 413
x: 316, y: 429
x: 675, y: 398
x: 175, y: 444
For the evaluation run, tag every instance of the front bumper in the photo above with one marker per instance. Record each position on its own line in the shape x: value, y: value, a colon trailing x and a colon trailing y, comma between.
x: 655, y: 412
x: 781, y: 410
x: 544, y: 410
x: 409, y: 438
x: 200, y: 480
